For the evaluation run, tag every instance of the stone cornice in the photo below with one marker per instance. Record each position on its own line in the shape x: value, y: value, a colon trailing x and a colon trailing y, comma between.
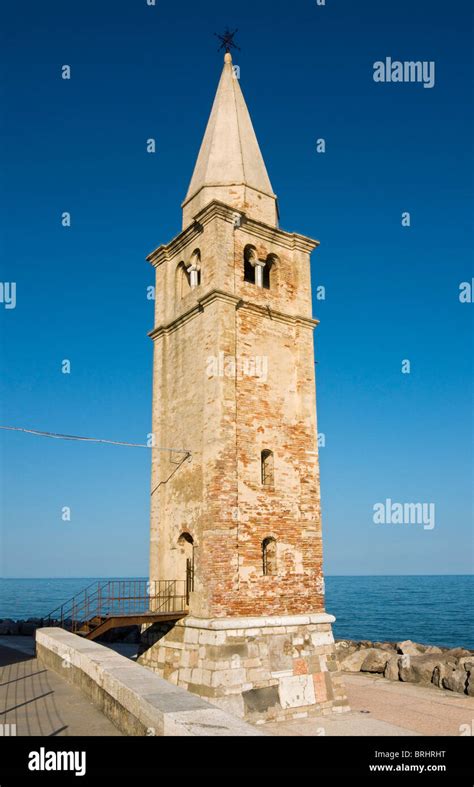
x: 216, y: 209
x: 263, y: 621
x: 168, y: 250
x: 289, y: 240
x: 219, y: 295
x: 172, y: 326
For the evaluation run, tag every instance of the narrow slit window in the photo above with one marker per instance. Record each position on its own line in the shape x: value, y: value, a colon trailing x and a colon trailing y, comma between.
x: 269, y: 556
x: 267, y: 468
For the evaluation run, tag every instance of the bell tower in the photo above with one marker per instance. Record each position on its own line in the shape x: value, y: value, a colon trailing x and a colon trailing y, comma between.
x: 234, y: 384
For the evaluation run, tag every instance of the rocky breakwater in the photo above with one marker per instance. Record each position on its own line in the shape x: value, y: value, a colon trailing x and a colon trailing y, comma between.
x: 24, y: 628
x: 27, y: 628
x: 443, y: 668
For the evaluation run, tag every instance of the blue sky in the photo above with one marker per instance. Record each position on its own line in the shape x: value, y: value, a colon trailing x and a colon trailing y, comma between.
x: 391, y: 291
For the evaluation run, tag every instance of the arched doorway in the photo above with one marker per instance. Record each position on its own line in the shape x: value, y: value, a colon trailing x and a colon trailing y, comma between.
x: 186, y: 562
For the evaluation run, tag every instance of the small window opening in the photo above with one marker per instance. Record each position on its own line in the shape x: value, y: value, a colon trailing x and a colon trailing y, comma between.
x: 269, y: 556
x: 267, y: 467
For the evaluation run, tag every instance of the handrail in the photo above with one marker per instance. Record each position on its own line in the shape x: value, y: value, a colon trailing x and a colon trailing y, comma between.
x: 71, y: 599
x: 116, y: 597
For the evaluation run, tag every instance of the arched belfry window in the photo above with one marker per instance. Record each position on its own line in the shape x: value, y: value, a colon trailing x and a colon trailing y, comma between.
x: 183, y: 282
x: 250, y: 257
x: 258, y: 271
x: 268, y: 271
x: 194, y: 269
x: 269, y: 556
x: 267, y: 468
x: 266, y: 277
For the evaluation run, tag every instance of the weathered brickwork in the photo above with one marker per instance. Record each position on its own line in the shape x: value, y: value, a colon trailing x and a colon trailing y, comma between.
x: 226, y: 419
x: 271, y: 416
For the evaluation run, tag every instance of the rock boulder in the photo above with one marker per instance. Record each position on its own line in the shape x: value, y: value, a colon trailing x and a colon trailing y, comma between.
x: 375, y: 660
x: 9, y: 626
x: 352, y: 662
x: 392, y: 668
x: 418, y: 669
x: 455, y: 679
x: 458, y: 653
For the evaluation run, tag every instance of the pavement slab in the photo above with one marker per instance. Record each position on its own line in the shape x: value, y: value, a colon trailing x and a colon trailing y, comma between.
x: 36, y: 701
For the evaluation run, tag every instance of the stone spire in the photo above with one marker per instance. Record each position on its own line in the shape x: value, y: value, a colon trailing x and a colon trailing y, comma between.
x: 230, y: 167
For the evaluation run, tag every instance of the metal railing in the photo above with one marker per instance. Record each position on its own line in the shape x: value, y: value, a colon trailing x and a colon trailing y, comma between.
x: 116, y: 597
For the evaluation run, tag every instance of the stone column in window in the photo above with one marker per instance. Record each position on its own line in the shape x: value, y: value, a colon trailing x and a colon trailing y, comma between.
x: 193, y: 267
x: 259, y: 266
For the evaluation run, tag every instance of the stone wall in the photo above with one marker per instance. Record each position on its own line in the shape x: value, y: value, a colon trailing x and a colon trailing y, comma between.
x: 258, y: 668
x: 133, y: 698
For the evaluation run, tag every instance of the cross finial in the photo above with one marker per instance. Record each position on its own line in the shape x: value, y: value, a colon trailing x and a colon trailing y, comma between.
x: 227, y: 40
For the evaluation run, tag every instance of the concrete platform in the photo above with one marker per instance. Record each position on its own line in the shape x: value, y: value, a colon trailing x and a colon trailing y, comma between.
x: 383, y: 707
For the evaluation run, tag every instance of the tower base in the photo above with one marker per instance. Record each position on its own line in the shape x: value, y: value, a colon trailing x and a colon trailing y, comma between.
x: 259, y: 668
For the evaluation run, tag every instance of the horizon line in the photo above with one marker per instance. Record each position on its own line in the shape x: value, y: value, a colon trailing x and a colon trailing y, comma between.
x: 326, y: 576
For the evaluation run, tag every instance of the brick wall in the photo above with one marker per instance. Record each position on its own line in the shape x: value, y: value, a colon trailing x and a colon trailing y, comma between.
x: 226, y: 419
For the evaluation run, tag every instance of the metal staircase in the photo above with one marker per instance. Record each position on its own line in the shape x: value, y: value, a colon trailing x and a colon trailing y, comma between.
x: 108, y: 604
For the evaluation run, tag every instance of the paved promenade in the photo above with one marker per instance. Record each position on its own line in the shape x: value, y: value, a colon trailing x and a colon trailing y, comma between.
x: 383, y: 707
x: 39, y: 702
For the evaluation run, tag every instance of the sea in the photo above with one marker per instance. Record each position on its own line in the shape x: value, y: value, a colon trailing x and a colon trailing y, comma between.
x: 433, y: 610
